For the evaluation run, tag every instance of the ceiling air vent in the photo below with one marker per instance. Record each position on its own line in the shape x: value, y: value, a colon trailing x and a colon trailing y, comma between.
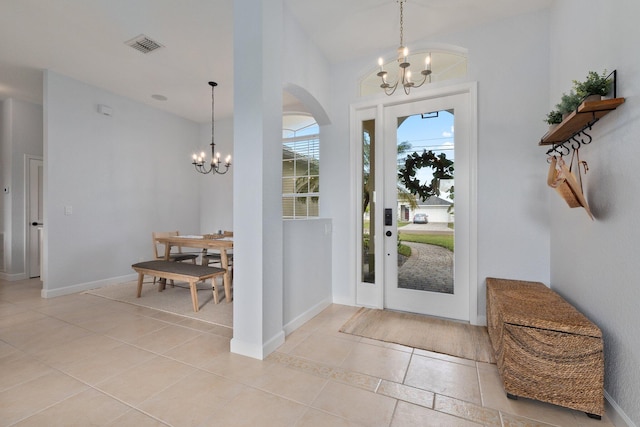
x: 143, y: 44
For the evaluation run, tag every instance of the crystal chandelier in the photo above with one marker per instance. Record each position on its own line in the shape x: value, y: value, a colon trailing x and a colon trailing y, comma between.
x: 404, y: 74
x: 199, y: 161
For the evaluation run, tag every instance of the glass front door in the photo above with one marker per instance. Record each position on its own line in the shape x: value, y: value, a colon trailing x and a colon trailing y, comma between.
x: 424, y: 269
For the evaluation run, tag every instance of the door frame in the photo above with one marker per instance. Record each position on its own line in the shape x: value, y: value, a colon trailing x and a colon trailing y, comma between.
x: 372, y: 295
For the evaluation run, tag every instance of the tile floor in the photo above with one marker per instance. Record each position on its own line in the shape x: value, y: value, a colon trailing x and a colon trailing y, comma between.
x: 82, y: 360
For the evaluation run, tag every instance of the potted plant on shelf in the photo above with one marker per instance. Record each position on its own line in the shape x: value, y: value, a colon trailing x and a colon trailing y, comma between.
x: 554, y: 118
x: 594, y: 87
x: 569, y: 103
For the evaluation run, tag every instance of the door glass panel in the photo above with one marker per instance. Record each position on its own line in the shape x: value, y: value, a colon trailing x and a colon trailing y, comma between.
x: 425, y: 226
x: 368, y: 203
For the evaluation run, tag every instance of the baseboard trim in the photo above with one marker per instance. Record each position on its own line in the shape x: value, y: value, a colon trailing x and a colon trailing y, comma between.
x: 81, y: 287
x: 306, y: 316
x: 259, y: 352
x: 616, y: 414
x: 13, y: 277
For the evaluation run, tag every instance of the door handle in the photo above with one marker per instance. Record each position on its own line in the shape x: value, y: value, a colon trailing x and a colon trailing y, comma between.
x: 388, y: 233
x: 35, y: 224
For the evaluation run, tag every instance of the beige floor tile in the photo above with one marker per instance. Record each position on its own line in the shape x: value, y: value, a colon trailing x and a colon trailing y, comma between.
x: 356, y: 379
x: 238, y: 368
x: 107, y: 364
x: 315, y: 418
x: 442, y: 377
x: 165, y: 339
x: 6, y: 349
x: 89, y: 408
x: 79, y: 315
x: 199, y: 351
x: 408, y: 394
x: 193, y: 399
x: 19, y: 320
x: 355, y: 404
x: 509, y: 420
x: 18, y: 367
x: 145, y: 380
x: 82, y: 348
x: 51, y: 335
x: 408, y: 415
x: 252, y: 408
x: 468, y: 411
x: 134, y: 418
x: 324, y: 349
x: 545, y: 413
x: 441, y: 356
x: 378, y: 361
x: 132, y: 331
x: 390, y: 345
x: 292, y: 340
x: 109, y: 320
x: 9, y: 310
x: 289, y: 383
x: 21, y: 334
x: 29, y: 398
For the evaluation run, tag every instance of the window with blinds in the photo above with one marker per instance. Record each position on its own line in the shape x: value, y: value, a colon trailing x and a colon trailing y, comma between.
x: 301, y: 172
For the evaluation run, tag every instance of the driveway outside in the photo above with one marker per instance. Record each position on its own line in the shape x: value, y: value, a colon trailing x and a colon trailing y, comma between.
x: 430, y: 267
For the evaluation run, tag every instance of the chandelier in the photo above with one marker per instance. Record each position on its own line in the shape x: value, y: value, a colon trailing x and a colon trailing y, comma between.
x: 404, y: 74
x: 199, y: 161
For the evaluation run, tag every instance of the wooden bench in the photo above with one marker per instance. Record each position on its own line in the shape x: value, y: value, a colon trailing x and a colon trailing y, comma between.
x: 545, y: 349
x: 190, y: 273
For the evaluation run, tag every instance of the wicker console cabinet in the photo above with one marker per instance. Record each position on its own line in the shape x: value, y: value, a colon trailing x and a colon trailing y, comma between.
x: 545, y: 349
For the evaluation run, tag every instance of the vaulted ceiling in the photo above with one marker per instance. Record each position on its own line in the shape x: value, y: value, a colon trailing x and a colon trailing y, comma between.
x: 85, y: 39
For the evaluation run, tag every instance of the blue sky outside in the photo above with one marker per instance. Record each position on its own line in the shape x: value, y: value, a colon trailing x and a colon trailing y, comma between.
x: 432, y: 133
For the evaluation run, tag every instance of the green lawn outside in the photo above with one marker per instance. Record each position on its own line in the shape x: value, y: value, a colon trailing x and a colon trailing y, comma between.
x: 446, y: 241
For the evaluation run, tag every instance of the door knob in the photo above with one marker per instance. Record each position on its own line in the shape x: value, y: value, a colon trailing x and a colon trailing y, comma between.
x: 389, y: 233
x: 35, y: 224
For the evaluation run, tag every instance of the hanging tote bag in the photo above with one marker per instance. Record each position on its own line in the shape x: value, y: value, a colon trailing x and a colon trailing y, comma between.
x: 566, y: 185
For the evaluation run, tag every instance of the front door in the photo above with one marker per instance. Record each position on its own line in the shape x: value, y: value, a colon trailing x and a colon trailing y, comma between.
x: 433, y: 277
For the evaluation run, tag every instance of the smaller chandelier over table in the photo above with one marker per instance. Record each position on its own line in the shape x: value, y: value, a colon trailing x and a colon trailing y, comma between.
x: 214, y: 166
x: 404, y: 73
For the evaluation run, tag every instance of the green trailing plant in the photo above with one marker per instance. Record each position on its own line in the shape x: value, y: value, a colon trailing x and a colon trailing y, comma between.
x: 553, y: 117
x: 569, y: 102
x: 595, y: 84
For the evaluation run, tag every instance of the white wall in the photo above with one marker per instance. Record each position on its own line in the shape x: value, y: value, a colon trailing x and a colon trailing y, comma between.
x: 509, y: 60
x: 123, y: 176
x: 21, y: 135
x: 307, y: 270
x: 594, y: 263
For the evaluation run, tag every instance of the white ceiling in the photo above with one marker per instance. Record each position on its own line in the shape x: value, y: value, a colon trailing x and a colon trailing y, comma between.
x: 84, y: 39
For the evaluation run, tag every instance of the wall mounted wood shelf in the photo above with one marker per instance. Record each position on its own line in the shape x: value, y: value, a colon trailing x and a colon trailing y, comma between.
x: 584, y: 117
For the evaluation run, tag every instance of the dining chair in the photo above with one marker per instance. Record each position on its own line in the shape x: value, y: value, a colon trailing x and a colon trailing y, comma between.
x: 159, y: 249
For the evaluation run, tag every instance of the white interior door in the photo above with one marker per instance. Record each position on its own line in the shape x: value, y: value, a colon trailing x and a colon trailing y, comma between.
x: 35, y: 224
x: 454, y: 303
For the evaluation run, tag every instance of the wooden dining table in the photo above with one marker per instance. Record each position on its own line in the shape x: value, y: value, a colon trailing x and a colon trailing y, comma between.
x: 222, y: 244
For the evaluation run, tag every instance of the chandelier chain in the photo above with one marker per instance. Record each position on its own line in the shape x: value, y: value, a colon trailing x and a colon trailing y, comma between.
x: 404, y: 78
x: 401, y: 23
